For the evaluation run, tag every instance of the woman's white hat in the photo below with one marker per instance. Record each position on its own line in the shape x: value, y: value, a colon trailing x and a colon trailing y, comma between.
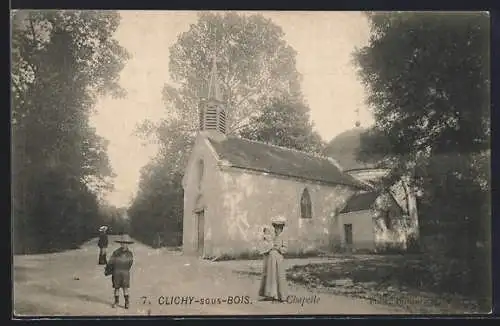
x: 103, y: 228
x: 278, y: 220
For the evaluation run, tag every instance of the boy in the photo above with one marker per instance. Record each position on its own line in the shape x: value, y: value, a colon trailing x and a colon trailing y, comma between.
x: 119, y: 266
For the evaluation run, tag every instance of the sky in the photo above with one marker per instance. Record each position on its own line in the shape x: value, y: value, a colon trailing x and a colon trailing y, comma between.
x: 324, y: 42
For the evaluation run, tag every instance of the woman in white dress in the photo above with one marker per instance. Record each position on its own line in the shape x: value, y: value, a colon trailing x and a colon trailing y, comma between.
x: 273, y: 284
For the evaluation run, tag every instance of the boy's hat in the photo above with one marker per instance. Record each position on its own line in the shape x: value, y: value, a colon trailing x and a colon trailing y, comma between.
x: 124, y: 238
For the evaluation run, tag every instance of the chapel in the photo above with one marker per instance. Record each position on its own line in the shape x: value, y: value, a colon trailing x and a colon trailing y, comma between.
x: 234, y: 186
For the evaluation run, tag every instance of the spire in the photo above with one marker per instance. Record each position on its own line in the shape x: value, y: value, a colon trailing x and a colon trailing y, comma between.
x: 213, y: 111
x: 213, y: 86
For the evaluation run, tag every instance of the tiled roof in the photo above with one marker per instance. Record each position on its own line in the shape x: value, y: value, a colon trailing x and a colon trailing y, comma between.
x: 366, y: 200
x: 257, y: 156
x: 361, y: 202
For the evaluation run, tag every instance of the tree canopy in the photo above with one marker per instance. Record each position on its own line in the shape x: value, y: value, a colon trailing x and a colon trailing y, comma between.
x: 284, y: 123
x: 61, y: 62
x: 428, y: 81
x: 254, y: 65
x: 427, y: 77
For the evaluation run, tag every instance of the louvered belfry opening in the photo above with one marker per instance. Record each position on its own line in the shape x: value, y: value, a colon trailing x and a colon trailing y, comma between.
x: 222, y: 120
x: 201, y: 112
x: 213, y: 117
x: 212, y: 110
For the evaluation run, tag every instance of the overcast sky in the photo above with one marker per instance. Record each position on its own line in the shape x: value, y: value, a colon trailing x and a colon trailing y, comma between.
x: 324, y: 42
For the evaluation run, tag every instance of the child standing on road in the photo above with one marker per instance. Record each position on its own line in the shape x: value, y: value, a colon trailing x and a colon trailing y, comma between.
x: 119, y: 266
x: 102, y: 244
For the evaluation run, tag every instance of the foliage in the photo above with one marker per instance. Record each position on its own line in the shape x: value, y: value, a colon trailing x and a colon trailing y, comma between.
x: 61, y: 62
x: 428, y: 80
x: 161, y: 223
x: 286, y: 124
x: 157, y: 210
x: 115, y: 218
x: 423, y: 284
x: 254, y: 65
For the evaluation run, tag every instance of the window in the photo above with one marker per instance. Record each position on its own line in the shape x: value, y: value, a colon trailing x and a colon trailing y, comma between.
x: 305, y: 205
x: 348, y: 234
x: 387, y: 220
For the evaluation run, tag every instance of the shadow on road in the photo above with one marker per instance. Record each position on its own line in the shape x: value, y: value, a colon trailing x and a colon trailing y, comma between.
x: 65, y: 293
x: 30, y: 309
x: 21, y: 273
x: 44, y: 251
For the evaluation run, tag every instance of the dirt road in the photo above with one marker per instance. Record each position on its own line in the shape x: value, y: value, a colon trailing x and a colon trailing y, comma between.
x: 163, y: 283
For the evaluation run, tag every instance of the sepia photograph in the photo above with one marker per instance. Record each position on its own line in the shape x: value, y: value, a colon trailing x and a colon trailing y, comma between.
x: 236, y: 163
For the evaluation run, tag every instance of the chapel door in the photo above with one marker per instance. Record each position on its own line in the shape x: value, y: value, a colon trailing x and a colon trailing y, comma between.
x: 348, y: 236
x: 200, y: 223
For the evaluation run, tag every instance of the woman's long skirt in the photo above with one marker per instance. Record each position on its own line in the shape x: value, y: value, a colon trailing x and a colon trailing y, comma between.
x: 273, y: 283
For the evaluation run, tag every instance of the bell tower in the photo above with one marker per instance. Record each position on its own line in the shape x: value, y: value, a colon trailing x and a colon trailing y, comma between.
x: 212, y: 109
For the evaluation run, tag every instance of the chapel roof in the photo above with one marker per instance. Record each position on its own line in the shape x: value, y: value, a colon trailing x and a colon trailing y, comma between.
x: 366, y: 200
x: 258, y: 156
x: 361, y: 201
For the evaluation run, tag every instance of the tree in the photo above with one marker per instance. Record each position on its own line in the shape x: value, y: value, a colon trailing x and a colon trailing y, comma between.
x: 286, y: 124
x: 254, y: 65
x: 427, y: 75
x: 61, y: 62
x: 157, y: 209
x: 428, y: 81
x: 432, y: 99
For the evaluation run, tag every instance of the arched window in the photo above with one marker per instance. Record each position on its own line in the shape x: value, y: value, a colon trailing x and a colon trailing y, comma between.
x: 201, y: 169
x: 305, y: 205
x: 387, y: 219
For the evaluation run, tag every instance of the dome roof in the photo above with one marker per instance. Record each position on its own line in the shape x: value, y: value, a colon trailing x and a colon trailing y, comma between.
x: 344, y: 149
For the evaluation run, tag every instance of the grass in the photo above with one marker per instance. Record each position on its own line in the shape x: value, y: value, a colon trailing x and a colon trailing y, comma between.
x: 251, y: 255
x: 418, y: 282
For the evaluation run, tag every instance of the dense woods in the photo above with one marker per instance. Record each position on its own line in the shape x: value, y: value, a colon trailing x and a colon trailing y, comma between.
x: 61, y: 62
x: 427, y: 76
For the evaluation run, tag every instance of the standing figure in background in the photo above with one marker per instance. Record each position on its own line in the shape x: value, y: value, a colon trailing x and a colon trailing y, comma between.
x: 119, y: 266
x: 273, y: 284
x: 103, y: 244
